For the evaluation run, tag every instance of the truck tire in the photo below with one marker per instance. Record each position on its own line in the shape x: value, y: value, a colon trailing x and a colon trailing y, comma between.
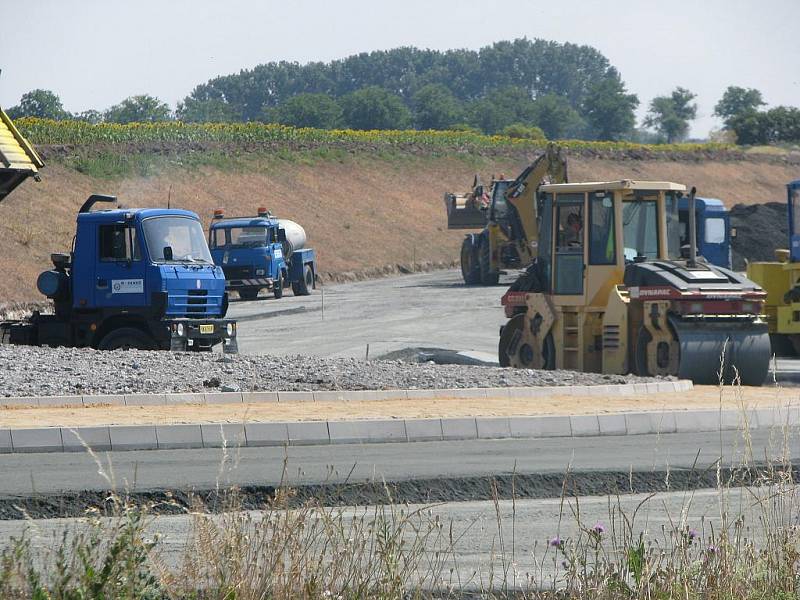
x: 127, y: 338
x: 470, y: 268
x: 488, y: 277
x: 277, y: 289
x: 306, y: 284
x: 248, y: 293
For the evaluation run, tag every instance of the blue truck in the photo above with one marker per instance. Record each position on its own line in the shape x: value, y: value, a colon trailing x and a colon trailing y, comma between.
x: 713, y: 229
x: 262, y: 252
x: 136, y: 278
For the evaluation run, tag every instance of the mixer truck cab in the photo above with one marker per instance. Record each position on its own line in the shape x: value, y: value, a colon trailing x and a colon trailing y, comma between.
x: 136, y: 278
x: 713, y: 229
x: 262, y: 252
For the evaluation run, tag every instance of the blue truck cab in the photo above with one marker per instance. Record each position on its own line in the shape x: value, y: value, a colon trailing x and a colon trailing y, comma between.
x: 262, y: 252
x: 136, y: 278
x: 793, y: 198
x: 713, y: 229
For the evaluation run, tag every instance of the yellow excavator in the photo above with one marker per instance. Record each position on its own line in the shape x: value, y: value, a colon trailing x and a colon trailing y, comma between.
x: 612, y: 290
x: 505, y: 212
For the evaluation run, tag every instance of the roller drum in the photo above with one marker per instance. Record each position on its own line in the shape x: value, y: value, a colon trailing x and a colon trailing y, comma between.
x: 735, y: 347
x: 295, y: 236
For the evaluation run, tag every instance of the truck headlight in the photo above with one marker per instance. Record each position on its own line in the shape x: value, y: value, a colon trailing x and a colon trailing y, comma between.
x: 260, y: 272
x: 180, y: 329
x: 229, y: 328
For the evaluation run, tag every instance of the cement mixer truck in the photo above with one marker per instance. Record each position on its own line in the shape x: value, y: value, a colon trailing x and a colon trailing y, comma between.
x: 262, y: 252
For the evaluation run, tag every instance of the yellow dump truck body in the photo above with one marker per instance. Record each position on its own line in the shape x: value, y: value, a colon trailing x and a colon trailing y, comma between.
x: 18, y: 159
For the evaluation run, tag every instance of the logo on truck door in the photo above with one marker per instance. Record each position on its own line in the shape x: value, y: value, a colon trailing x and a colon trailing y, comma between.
x: 127, y: 286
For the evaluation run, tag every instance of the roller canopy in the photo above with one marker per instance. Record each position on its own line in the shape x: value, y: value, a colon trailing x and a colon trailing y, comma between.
x: 18, y: 159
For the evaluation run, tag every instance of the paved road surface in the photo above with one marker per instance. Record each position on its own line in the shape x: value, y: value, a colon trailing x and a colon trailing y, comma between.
x: 23, y: 474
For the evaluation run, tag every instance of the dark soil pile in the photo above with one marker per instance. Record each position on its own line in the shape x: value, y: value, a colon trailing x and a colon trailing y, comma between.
x: 760, y: 230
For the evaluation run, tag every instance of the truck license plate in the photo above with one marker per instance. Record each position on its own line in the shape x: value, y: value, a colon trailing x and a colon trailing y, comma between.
x: 206, y: 329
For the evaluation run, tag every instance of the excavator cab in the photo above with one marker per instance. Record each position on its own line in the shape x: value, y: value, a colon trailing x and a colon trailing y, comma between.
x: 610, y: 293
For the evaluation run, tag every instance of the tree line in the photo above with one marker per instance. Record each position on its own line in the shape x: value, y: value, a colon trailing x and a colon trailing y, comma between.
x: 523, y: 88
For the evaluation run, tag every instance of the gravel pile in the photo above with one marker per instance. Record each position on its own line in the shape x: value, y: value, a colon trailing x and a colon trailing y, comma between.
x: 760, y: 230
x: 31, y: 371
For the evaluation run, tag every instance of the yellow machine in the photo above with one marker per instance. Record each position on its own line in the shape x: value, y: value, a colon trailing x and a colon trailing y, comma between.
x: 611, y: 292
x: 506, y: 213
x: 18, y: 159
x: 781, y: 280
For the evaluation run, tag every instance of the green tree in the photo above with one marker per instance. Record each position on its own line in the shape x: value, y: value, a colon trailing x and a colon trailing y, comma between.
x: 39, y: 103
x: 501, y: 108
x: 517, y: 130
x: 373, y: 107
x: 670, y: 115
x: 556, y: 117
x: 90, y: 116
x: 737, y: 101
x: 138, y: 109
x: 609, y: 109
x: 779, y: 124
x: 435, y: 107
x: 308, y: 110
x: 212, y: 110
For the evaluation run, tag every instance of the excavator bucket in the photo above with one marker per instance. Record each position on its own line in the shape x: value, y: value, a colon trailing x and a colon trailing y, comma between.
x: 18, y: 159
x: 464, y: 212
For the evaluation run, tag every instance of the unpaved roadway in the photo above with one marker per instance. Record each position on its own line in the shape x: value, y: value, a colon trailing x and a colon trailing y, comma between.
x: 433, y: 310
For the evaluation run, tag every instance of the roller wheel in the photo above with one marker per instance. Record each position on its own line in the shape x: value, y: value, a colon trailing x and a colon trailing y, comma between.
x: 248, y: 294
x: 514, y: 352
x: 470, y: 266
x: 488, y: 277
x: 126, y: 338
x: 277, y: 290
x: 306, y: 284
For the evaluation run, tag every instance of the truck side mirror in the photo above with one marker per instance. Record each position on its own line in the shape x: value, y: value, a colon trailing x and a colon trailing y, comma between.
x: 733, y: 233
x: 281, y: 235
x: 167, y: 252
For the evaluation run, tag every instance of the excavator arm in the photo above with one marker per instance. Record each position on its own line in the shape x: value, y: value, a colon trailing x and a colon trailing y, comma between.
x: 18, y: 159
x: 550, y: 167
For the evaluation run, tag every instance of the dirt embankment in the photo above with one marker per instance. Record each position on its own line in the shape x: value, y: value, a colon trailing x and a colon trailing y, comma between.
x: 363, y: 213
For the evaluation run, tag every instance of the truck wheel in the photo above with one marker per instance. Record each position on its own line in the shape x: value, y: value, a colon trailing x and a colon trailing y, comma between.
x: 470, y: 268
x: 277, y: 290
x: 306, y: 284
x: 248, y: 294
x: 126, y: 338
x: 488, y: 277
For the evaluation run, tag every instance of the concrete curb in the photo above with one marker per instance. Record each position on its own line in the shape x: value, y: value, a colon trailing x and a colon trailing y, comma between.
x: 371, y: 431
x: 627, y: 389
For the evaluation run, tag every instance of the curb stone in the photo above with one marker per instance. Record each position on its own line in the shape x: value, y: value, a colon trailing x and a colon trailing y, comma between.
x: 255, y: 434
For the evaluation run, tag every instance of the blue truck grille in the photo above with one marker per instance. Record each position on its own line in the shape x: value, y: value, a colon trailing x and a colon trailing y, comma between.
x: 194, y: 303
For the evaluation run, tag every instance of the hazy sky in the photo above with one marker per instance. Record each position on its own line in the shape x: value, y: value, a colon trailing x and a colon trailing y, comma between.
x: 94, y: 53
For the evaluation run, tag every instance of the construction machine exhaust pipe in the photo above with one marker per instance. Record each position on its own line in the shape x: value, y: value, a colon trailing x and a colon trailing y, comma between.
x: 692, y: 229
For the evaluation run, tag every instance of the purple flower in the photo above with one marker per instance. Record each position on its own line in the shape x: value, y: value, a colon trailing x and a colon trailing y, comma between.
x: 599, y: 528
x: 692, y: 534
x: 556, y: 542
x: 712, y: 549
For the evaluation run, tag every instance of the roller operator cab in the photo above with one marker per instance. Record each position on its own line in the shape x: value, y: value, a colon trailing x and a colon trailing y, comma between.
x: 262, y: 252
x: 136, y: 278
x: 713, y: 229
x: 613, y: 290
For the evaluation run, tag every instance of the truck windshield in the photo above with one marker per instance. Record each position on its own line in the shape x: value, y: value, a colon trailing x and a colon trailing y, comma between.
x: 182, y: 235
x: 239, y: 237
